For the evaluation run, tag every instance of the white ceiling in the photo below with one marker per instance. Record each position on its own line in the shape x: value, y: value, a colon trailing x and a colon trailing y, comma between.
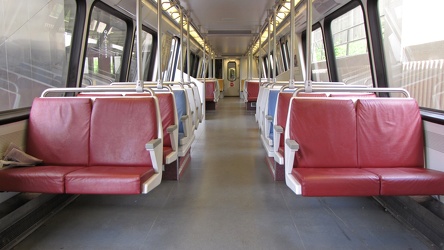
x: 229, y: 25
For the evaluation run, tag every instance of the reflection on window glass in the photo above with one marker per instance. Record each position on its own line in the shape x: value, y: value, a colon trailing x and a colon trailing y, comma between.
x: 106, y: 40
x: 168, y: 74
x: 147, y: 49
x: 34, y: 49
x: 265, y: 66
x: 318, y: 62
x: 279, y: 62
x: 414, y: 48
x: 231, y: 68
x: 285, y: 56
x: 350, y: 45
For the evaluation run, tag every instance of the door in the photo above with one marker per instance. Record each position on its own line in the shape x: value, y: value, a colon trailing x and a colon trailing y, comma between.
x: 231, y: 79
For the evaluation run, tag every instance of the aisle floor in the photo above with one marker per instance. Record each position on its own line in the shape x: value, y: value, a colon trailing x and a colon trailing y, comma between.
x: 226, y: 199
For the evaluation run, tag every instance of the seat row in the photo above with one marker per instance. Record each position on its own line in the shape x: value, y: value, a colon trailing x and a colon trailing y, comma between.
x: 181, y: 107
x: 397, y: 173
x: 271, y: 114
x: 106, y: 146
x: 367, y: 147
x: 250, y: 93
x: 212, y: 94
x: 178, y: 112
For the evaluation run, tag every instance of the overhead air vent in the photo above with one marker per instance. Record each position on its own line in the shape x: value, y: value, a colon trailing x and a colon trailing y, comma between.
x: 322, y: 6
x: 230, y: 32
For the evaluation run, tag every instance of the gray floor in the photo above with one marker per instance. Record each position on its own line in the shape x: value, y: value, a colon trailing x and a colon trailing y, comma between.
x: 225, y: 200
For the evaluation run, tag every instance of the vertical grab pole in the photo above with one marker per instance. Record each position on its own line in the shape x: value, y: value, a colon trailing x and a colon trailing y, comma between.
x: 259, y: 64
x: 214, y: 66
x: 139, y: 81
x: 269, y: 50
x: 292, y: 31
x: 204, y: 61
x: 188, y: 49
x: 274, y: 46
x: 249, y: 65
x: 308, y: 85
x: 181, y: 45
x: 159, y: 44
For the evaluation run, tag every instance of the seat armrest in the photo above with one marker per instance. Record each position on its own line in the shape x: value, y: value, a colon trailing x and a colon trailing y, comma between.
x: 155, y: 148
x: 185, y: 123
x: 292, y: 145
x: 278, y: 129
x: 172, y: 130
x: 269, y: 117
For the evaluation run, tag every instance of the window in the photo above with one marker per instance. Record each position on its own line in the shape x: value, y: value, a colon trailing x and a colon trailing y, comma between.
x: 318, y: 59
x: 285, y: 56
x: 34, y: 49
x: 106, y: 40
x: 168, y: 75
x: 219, y: 69
x: 414, y: 48
x: 265, y: 66
x: 231, y: 71
x: 147, y: 55
x: 194, y: 64
x: 350, y: 48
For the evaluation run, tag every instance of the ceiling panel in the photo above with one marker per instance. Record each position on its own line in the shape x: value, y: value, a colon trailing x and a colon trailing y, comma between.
x: 231, y: 25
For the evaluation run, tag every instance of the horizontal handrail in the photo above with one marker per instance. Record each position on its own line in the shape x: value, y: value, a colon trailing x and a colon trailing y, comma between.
x: 101, y: 89
x: 152, y: 85
x: 298, y: 85
x: 357, y: 89
x: 149, y: 83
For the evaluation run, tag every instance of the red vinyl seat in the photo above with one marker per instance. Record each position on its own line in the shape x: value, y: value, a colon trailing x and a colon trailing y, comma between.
x: 375, y: 147
x: 110, y: 147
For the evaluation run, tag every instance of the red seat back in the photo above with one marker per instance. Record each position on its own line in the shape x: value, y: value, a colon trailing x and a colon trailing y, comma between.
x: 283, y: 102
x: 58, y: 130
x: 253, y: 91
x: 351, y: 94
x: 210, y: 87
x: 167, y: 109
x: 120, y: 128
x: 312, y: 94
x: 167, y: 113
x: 389, y: 133
x: 325, y: 129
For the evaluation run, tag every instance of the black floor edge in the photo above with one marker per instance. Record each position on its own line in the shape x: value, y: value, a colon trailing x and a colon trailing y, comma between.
x: 24, y: 220
x: 409, y: 211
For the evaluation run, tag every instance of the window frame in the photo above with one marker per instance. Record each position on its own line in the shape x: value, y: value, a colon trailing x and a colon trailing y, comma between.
x: 329, y: 42
x: 127, y: 45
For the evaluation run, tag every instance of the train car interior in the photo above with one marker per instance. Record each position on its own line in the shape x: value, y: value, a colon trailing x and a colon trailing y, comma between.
x: 209, y: 124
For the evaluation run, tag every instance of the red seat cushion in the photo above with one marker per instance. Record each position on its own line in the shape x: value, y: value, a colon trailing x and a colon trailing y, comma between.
x: 210, y: 87
x: 325, y: 129
x: 167, y: 109
x: 409, y: 181
x: 392, y: 138
x: 283, y: 104
x: 351, y: 94
x: 311, y: 94
x: 167, y: 113
x: 58, y: 130
x: 36, y: 179
x: 108, y: 180
x: 253, y: 91
x: 336, y: 182
x: 120, y: 128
